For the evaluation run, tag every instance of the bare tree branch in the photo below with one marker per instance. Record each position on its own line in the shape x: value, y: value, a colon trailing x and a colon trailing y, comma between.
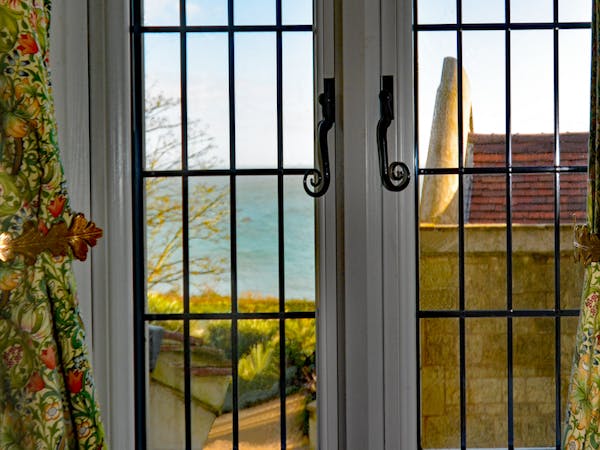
x: 207, y: 209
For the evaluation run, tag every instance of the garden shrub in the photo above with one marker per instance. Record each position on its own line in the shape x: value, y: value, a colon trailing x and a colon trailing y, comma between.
x: 258, y: 341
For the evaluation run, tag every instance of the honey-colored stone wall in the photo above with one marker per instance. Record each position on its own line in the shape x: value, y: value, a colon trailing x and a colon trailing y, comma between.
x: 486, y: 344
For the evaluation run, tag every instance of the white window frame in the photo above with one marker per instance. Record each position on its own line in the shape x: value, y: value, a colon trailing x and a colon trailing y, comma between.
x: 367, y: 396
x: 328, y: 250
x: 90, y: 75
x: 367, y: 339
x: 110, y: 162
x: 69, y: 72
x: 379, y: 253
x: 360, y: 231
x: 111, y: 207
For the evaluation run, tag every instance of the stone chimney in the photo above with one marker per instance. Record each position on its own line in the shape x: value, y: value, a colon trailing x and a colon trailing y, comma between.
x: 439, y: 199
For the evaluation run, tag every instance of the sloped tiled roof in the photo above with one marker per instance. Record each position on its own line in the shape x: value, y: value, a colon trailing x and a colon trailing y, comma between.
x: 532, y: 194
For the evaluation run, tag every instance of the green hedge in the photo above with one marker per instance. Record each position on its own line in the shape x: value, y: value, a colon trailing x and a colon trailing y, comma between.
x: 258, y: 341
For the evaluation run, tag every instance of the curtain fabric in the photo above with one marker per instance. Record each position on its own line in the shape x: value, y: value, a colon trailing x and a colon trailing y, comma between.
x: 47, y: 398
x: 583, y: 403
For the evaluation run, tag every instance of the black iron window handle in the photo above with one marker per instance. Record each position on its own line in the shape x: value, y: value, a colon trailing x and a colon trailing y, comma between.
x: 395, y: 176
x: 319, y: 182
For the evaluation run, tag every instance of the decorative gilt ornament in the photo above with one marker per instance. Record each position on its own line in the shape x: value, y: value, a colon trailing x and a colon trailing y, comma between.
x: 58, y: 241
x: 587, y: 245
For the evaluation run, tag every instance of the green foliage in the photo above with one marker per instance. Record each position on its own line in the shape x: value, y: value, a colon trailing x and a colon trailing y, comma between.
x: 258, y: 341
x: 258, y: 361
x: 301, y: 340
x: 166, y: 304
x: 250, y: 333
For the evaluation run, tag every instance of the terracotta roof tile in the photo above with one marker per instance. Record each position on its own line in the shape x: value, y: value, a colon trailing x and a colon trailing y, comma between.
x: 532, y: 194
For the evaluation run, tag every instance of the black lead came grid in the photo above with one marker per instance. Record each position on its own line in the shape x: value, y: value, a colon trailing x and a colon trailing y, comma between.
x: 507, y: 171
x: 186, y: 175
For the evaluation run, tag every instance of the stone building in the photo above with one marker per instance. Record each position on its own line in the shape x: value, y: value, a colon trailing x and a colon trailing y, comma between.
x: 541, y: 252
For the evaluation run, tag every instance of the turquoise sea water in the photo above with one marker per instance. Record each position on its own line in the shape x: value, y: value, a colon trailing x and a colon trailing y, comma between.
x: 257, y: 241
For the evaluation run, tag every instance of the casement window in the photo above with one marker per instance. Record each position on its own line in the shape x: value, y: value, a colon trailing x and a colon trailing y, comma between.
x: 468, y: 285
x: 497, y: 322
x: 225, y: 278
x: 446, y: 312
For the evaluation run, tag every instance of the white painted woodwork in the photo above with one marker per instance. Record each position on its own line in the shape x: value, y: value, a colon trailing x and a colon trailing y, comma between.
x: 69, y: 75
x: 358, y: 103
x: 112, y: 277
x: 90, y: 75
x: 327, y: 224
x: 380, y: 336
x: 400, y: 338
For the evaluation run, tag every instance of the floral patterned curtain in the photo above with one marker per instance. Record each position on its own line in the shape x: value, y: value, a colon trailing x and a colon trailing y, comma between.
x: 47, y: 398
x: 583, y: 403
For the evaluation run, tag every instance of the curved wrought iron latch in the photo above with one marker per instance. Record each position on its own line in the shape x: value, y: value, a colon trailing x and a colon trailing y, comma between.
x: 319, y: 181
x: 395, y: 176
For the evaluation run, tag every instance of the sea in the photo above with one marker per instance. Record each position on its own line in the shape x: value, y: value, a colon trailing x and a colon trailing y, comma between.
x: 257, y: 241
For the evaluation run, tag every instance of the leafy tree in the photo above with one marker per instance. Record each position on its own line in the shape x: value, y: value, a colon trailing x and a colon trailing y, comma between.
x: 208, y: 205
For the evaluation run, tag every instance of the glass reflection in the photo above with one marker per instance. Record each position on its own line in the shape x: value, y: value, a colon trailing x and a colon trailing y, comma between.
x: 166, y: 379
x: 476, y: 11
x: 299, y: 238
x: 208, y: 101
x: 486, y: 373
x: 296, y: 12
x: 531, y: 10
x: 436, y: 51
x: 532, y: 97
x: 440, y: 383
x: 298, y: 99
x: 164, y: 245
x: 209, y: 245
x: 206, y: 12
x: 574, y: 48
x: 534, y: 382
x: 162, y: 102
x: 160, y: 12
x: 436, y: 11
x: 256, y: 100
x: 257, y: 244
x: 254, y: 12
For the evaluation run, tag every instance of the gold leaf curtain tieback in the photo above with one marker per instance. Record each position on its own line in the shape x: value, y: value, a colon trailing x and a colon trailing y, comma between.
x: 58, y: 241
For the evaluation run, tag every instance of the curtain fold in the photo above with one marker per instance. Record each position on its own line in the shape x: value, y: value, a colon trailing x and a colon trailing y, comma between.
x: 583, y: 402
x: 47, y: 393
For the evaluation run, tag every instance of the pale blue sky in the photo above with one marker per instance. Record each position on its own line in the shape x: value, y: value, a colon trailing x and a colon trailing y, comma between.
x: 532, y: 76
x: 483, y: 59
x: 255, y: 78
x: 214, y: 12
x: 481, y: 11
